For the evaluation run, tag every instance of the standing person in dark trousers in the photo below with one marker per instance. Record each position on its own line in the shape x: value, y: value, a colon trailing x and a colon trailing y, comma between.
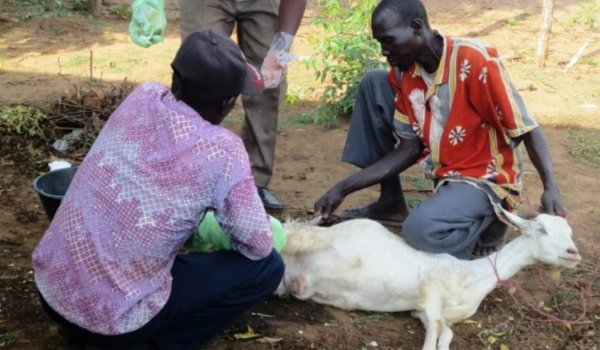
x: 446, y: 104
x: 265, y: 31
x: 108, y: 269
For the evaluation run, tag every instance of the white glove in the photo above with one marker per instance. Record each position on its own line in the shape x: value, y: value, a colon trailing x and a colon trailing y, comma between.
x: 277, y: 59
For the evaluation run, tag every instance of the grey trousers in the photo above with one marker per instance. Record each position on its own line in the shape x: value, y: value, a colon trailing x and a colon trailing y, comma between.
x: 451, y: 221
x: 256, y: 26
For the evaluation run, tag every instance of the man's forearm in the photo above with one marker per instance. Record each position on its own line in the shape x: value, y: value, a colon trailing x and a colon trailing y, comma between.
x: 290, y: 15
x: 538, y: 152
x: 394, y: 163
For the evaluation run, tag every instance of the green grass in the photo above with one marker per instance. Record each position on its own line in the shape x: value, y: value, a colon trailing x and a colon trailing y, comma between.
x: 76, y: 61
x: 587, y: 149
x: 6, y: 339
x: 2, y: 58
x: 229, y: 121
x: 294, y: 120
x: 118, y: 66
x: 587, y: 16
x: 413, y: 201
x: 27, y: 9
x: 590, y: 61
x: 419, y: 182
x: 363, y: 319
x: 512, y: 21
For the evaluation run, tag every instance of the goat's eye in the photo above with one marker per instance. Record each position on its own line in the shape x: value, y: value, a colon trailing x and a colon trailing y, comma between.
x: 543, y: 230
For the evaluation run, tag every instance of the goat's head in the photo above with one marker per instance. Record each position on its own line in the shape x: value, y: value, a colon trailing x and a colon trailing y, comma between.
x: 551, y: 236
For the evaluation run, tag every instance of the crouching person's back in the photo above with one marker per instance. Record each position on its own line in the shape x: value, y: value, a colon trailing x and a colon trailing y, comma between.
x: 108, y: 269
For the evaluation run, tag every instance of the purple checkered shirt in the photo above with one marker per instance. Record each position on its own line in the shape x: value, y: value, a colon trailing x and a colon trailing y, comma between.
x: 104, y: 264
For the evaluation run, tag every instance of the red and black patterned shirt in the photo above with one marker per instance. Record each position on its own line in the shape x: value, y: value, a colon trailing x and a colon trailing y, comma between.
x: 467, y: 119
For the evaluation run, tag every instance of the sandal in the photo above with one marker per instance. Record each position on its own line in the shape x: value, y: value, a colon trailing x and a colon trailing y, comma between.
x: 364, y: 213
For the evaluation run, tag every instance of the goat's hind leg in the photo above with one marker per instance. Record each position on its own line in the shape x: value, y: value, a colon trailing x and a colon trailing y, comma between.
x: 433, y: 322
x: 445, y: 338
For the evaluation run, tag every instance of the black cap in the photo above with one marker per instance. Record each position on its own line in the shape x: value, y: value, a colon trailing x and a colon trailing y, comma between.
x: 213, y: 65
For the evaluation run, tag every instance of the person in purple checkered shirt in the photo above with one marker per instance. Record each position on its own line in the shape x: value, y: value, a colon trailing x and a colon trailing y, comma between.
x: 108, y: 270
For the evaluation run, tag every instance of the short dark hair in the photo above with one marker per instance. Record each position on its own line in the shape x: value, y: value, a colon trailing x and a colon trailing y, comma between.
x: 407, y: 10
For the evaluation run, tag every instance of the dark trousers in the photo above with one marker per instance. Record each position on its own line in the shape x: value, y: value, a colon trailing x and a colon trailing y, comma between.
x: 209, y: 291
x: 256, y: 24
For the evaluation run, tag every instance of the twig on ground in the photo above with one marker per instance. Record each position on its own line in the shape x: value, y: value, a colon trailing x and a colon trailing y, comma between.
x: 4, y: 18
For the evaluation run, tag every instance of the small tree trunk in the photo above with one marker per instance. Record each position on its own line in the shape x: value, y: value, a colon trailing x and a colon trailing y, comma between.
x: 542, y: 48
x: 95, y: 7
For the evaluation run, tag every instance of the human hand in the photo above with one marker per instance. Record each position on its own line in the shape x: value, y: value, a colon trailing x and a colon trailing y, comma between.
x: 277, y: 59
x: 148, y: 22
x: 552, y: 203
x: 327, y: 204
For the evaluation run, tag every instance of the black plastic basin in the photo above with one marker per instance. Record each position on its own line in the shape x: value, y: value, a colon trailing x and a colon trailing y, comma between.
x: 51, y: 188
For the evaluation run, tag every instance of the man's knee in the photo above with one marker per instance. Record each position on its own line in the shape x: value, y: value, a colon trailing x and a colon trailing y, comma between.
x: 273, y: 270
x: 414, y: 229
x: 372, y: 77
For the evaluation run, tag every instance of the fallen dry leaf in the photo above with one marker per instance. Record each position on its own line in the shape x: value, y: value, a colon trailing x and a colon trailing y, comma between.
x: 269, y: 340
x: 248, y: 335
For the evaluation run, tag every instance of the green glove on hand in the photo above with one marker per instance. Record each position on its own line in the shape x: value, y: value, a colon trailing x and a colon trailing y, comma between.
x: 148, y: 22
x: 210, y: 235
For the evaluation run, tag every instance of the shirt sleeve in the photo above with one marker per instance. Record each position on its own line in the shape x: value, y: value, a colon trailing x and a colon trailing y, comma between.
x: 239, y: 209
x: 402, y: 126
x: 494, y: 96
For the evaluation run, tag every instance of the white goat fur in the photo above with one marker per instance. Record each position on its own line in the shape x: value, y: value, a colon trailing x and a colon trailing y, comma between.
x: 360, y: 265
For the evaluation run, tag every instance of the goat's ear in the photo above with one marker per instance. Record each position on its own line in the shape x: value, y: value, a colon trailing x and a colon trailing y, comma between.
x: 517, y: 222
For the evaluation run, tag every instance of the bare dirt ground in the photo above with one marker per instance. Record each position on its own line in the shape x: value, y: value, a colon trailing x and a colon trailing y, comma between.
x: 47, y: 51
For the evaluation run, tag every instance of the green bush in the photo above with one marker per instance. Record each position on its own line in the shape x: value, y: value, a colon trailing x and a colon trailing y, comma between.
x: 346, y: 50
x: 79, y: 6
x: 22, y: 120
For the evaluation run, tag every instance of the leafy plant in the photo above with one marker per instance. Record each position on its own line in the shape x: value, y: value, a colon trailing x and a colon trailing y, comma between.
x: 346, y: 50
x: 512, y: 21
x: 22, y: 120
x: 79, y: 5
x: 295, y: 93
x: 121, y: 11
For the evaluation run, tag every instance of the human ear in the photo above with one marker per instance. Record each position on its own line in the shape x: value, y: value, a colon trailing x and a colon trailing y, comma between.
x: 176, y: 84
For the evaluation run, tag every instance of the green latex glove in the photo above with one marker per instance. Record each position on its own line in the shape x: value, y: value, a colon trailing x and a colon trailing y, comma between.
x: 148, y: 22
x: 210, y: 235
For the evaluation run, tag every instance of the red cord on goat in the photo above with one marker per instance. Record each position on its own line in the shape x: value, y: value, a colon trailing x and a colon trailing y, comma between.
x: 585, y: 295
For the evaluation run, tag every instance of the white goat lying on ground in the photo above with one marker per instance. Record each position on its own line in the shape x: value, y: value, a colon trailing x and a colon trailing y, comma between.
x: 360, y: 265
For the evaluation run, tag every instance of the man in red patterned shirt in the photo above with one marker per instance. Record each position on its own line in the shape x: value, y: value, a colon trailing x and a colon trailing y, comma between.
x: 450, y: 104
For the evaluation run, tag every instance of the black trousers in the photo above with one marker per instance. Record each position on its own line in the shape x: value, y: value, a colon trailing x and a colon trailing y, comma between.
x: 209, y: 291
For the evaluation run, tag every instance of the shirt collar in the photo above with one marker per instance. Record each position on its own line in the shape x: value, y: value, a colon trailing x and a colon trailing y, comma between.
x: 441, y: 76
